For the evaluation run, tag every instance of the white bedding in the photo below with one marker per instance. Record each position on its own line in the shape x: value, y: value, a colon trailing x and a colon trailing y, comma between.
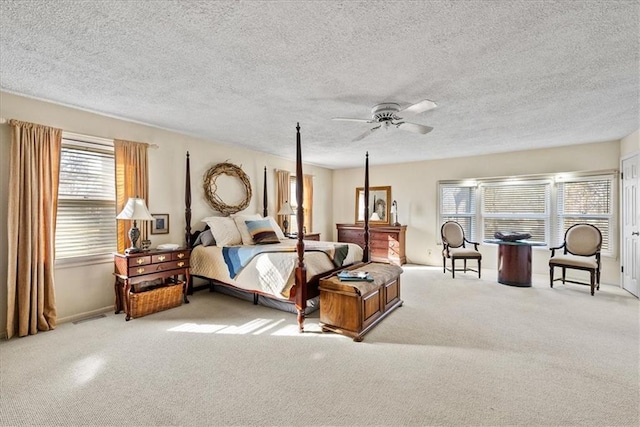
x: 270, y: 272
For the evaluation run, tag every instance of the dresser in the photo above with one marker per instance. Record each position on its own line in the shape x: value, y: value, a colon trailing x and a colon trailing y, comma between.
x: 159, y: 268
x: 386, y: 242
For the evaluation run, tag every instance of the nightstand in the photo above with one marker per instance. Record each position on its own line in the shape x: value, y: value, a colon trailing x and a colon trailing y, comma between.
x: 308, y: 236
x: 149, y: 267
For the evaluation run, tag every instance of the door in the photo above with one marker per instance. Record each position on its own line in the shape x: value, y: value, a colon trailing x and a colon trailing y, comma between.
x: 631, y: 224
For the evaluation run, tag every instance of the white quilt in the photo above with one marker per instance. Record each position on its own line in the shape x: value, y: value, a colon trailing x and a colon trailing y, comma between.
x: 270, y: 272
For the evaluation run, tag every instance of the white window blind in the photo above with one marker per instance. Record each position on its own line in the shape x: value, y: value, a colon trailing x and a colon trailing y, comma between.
x: 522, y: 207
x: 458, y: 203
x: 586, y: 200
x: 86, y: 224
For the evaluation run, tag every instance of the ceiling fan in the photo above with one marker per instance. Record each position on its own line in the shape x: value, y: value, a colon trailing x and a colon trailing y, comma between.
x: 387, y: 114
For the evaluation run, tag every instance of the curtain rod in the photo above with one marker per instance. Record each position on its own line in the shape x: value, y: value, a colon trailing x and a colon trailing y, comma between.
x: 3, y: 120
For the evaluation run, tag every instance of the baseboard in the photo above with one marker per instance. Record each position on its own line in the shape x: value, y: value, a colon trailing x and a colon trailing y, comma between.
x: 85, y: 314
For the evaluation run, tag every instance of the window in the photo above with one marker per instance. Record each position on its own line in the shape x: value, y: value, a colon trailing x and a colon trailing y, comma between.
x: 544, y: 206
x: 86, y: 224
x: 516, y: 206
x: 586, y: 200
x: 458, y: 203
x: 293, y: 222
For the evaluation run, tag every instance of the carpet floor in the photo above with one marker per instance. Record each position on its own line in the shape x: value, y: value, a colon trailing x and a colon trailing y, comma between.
x: 462, y: 351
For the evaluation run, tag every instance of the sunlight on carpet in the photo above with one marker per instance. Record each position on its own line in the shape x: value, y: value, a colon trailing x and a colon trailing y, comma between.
x: 253, y: 327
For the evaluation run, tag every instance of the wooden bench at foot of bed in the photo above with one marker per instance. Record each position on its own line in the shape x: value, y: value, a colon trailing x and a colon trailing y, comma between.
x: 353, y: 308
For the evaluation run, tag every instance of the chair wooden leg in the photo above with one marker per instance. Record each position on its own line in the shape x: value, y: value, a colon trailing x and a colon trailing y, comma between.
x: 598, y: 279
x: 593, y: 281
x: 551, y: 276
x: 444, y: 264
x: 479, y: 269
x: 453, y: 268
x: 465, y: 265
x: 564, y: 275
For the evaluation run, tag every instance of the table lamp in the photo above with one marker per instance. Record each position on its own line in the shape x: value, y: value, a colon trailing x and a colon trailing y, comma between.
x: 135, y: 209
x: 285, y: 210
x: 394, y: 211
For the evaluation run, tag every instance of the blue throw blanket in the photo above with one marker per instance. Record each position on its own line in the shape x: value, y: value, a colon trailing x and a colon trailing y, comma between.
x: 237, y: 257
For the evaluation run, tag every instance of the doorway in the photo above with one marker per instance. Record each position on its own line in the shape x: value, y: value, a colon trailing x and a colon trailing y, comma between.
x: 630, y: 230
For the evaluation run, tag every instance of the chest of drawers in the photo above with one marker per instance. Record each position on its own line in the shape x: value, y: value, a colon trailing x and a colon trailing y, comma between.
x: 386, y: 243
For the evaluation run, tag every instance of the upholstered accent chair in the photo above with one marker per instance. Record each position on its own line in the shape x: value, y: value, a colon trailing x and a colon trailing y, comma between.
x: 456, y: 246
x: 580, y: 251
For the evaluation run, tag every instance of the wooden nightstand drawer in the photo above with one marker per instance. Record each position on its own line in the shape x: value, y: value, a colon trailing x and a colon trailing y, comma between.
x: 158, y: 267
x: 140, y: 260
x: 161, y: 258
x: 180, y: 255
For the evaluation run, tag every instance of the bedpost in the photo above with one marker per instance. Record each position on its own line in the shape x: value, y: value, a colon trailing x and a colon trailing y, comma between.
x: 187, y: 204
x: 264, y: 195
x: 187, y: 217
x: 365, y: 254
x: 301, y: 270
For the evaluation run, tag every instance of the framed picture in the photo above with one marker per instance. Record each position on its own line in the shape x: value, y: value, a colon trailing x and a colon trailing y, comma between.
x: 160, y: 224
x: 379, y: 205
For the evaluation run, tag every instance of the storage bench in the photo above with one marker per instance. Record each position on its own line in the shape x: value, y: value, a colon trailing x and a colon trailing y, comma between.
x: 353, y: 308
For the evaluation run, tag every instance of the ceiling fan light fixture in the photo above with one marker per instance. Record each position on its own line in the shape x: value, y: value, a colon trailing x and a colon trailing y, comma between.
x: 420, y: 107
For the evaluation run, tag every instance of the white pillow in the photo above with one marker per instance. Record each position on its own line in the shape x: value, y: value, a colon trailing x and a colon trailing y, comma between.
x: 224, y: 230
x: 276, y: 227
x: 242, y: 226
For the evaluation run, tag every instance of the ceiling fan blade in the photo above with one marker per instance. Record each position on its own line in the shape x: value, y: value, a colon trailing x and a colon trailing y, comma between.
x: 419, y: 107
x: 415, y: 128
x: 348, y: 119
x: 366, y: 134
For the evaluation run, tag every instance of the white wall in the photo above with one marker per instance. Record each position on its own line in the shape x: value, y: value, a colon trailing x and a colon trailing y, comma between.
x: 630, y: 144
x: 83, y: 290
x: 414, y: 186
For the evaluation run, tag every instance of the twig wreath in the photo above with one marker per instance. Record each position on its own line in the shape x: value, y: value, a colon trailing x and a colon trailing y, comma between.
x: 210, y: 187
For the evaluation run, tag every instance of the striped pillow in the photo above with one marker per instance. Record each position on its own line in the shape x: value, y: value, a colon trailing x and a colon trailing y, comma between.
x: 261, y: 232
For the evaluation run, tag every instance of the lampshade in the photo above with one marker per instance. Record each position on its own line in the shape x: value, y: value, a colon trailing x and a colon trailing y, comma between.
x: 135, y: 209
x: 394, y: 207
x: 285, y: 209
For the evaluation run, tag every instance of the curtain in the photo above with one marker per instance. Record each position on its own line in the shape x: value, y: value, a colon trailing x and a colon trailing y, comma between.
x: 307, y: 186
x: 33, y: 199
x: 283, y: 190
x: 132, y: 180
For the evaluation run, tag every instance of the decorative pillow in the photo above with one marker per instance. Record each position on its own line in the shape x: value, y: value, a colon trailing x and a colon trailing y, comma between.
x: 242, y: 226
x: 275, y: 227
x: 224, y: 230
x: 261, y: 232
x: 205, y: 239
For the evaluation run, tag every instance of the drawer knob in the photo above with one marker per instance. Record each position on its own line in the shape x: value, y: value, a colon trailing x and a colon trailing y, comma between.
x: 181, y: 264
x: 140, y: 270
x: 140, y: 261
x: 180, y: 255
x: 162, y: 257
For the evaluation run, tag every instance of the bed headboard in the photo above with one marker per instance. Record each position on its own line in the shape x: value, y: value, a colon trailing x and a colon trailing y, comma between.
x: 189, y: 237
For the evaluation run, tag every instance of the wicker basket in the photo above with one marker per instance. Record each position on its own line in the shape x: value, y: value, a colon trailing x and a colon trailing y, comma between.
x: 162, y: 298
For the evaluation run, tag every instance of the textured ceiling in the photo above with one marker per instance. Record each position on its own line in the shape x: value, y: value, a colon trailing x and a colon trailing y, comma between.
x: 506, y: 75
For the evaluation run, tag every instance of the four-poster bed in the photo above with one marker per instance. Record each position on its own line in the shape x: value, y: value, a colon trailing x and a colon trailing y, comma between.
x: 283, y: 275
